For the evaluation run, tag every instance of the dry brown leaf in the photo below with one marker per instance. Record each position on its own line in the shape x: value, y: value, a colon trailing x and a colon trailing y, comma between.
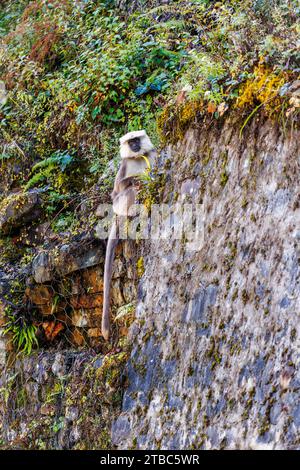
x: 211, y: 108
x: 51, y: 329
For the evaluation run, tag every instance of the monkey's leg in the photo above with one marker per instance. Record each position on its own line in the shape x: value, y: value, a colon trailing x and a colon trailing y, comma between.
x: 108, y: 266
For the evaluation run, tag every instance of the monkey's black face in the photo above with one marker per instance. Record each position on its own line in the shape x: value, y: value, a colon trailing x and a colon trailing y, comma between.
x: 135, y: 144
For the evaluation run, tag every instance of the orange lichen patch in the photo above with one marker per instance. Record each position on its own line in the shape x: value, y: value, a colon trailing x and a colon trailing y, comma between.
x: 212, y: 107
x: 174, y: 120
x: 262, y: 88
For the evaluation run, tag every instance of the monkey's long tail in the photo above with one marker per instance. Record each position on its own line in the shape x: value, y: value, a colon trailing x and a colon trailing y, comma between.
x: 108, y: 266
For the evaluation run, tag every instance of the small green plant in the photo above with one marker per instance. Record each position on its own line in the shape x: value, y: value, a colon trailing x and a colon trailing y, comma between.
x: 152, y: 187
x: 54, y: 393
x: 63, y: 222
x: 23, y: 334
x: 47, y: 169
x: 58, y: 424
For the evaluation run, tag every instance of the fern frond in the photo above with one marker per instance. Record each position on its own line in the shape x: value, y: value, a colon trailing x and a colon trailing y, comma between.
x: 51, y: 161
x: 38, y: 178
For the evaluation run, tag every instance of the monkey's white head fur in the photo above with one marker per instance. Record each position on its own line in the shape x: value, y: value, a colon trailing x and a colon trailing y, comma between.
x: 127, y: 152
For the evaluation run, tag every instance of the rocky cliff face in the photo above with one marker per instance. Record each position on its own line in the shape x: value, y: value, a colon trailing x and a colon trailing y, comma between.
x: 203, y: 351
x: 215, y: 358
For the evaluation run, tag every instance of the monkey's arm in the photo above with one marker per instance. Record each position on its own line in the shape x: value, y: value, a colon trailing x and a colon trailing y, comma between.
x: 119, y: 176
x: 127, y: 182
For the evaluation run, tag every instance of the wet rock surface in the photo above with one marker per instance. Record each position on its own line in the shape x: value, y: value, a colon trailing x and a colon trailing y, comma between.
x: 68, y: 258
x: 215, y: 358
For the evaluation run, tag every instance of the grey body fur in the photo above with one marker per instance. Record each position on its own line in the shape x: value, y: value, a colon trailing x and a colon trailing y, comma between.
x: 132, y: 148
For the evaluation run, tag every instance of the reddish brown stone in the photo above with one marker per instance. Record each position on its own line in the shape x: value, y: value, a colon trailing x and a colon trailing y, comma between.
x: 52, y: 329
x: 77, y: 338
x: 93, y: 280
x: 87, y: 317
x: 52, y: 309
x: 87, y: 301
x: 40, y: 295
x: 64, y: 318
x: 45, y: 309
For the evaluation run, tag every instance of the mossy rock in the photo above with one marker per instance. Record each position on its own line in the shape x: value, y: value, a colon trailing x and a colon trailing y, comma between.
x: 19, y: 209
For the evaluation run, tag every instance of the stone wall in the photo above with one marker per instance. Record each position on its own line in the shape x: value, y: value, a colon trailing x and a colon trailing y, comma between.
x: 65, y: 394
x: 67, y: 288
x: 60, y: 400
x: 214, y: 348
x: 215, y: 358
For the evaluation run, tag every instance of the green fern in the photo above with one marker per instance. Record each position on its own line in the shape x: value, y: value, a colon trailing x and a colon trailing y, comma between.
x: 23, y: 336
x: 38, y: 178
x: 47, y: 167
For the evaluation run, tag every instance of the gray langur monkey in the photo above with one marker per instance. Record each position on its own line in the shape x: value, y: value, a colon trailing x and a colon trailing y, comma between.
x: 138, y: 155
